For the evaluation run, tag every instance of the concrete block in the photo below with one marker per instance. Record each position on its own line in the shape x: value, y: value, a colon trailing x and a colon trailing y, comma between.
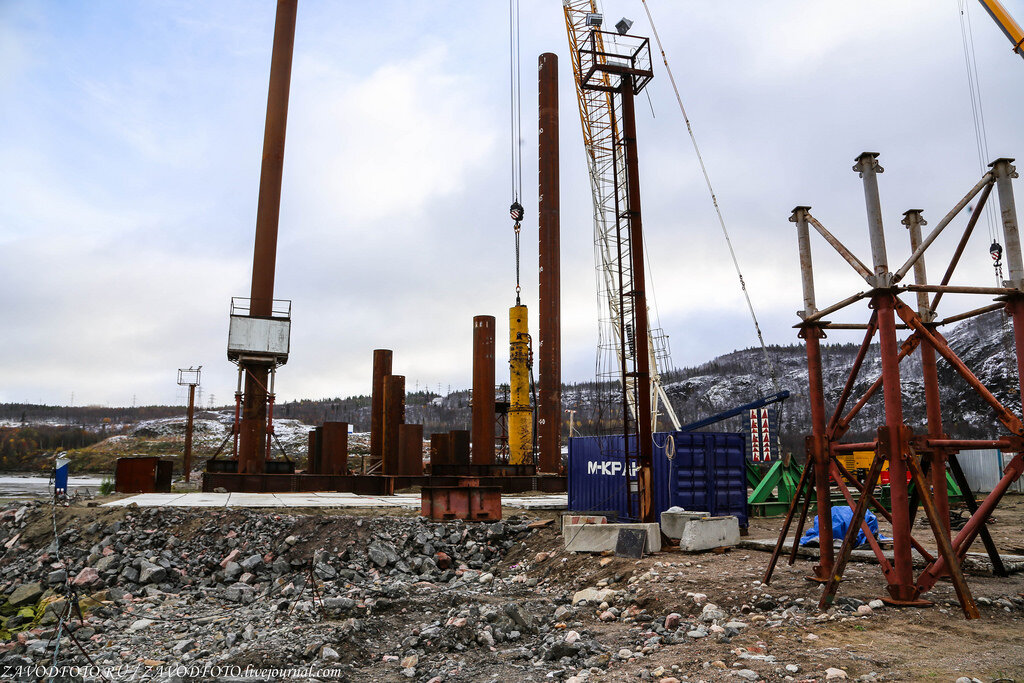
x: 673, y: 523
x: 583, y: 519
x: 595, y: 538
x: 710, y: 532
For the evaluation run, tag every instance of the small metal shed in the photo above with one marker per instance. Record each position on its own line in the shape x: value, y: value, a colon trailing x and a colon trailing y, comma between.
x: 147, y: 474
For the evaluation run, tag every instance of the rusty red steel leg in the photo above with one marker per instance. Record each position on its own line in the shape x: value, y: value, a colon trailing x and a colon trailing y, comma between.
x: 780, y: 544
x: 381, y: 369
x: 901, y: 581
x: 938, y: 342
x: 970, y: 531
x: 963, y: 591
x: 986, y: 538
x: 549, y: 390
x: 879, y: 508
x: 482, y: 441
x: 829, y: 594
x: 883, y: 561
x: 854, y: 372
x: 799, y: 533
x: 819, y: 450
x: 906, y: 348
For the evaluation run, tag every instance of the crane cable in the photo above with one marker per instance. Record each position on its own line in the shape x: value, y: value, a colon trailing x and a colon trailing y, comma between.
x: 714, y: 200
x: 980, y: 132
x: 516, y: 210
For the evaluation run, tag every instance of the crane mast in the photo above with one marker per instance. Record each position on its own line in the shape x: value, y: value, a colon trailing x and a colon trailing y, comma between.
x: 601, y: 121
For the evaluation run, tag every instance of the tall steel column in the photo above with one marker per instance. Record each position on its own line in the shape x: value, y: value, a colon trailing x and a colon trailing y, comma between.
x: 930, y: 373
x: 549, y: 397
x: 817, y: 445
x: 901, y: 580
x: 186, y: 464
x: 394, y: 417
x: 252, y: 448
x: 381, y: 369
x: 642, y: 370
x: 483, y: 390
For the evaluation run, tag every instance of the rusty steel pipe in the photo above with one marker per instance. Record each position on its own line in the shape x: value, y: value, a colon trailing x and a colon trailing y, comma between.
x: 868, y: 167
x: 440, y: 449
x: 901, y: 584
x: 847, y: 255
x: 394, y: 416
x: 381, y: 369
x: 483, y: 390
x: 1004, y: 173
x: 819, y: 450
x: 186, y: 462
x: 645, y: 446
x: 803, y: 237
x: 905, y: 268
x: 929, y: 368
x: 852, y: 377
x: 410, y: 450
x: 458, y: 440
x: 334, y: 448
x: 970, y: 531
x: 549, y: 394
x: 938, y: 342
x: 252, y: 448
x: 975, y: 215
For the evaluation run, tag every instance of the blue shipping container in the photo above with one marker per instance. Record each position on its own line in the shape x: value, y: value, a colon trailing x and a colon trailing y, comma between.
x: 705, y: 472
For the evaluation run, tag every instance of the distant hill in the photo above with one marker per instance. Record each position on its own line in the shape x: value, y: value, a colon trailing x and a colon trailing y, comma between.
x: 984, y: 343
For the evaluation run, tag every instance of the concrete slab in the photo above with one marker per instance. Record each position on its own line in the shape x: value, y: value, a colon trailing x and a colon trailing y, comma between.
x: 315, y: 499
x: 709, y: 532
x: 673, y: 523
x: 582, y: 519
x: 594, y: 538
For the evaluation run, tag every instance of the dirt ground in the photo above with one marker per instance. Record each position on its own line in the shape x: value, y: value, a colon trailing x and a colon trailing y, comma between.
x: 894, y: 644
x: 905, y: 644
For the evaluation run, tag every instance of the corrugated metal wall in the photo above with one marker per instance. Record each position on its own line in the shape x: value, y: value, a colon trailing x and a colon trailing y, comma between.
x: 984, y: 469
x: 705, y: 473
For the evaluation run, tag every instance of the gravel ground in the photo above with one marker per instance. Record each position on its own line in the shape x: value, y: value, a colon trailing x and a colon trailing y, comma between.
x: 182, y: 595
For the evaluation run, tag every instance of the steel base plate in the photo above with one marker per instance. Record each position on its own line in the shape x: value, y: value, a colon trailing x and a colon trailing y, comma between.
x: 919, y: 602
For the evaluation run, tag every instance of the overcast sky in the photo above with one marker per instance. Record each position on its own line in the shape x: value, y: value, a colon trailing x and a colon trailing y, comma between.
x: 131, y: 137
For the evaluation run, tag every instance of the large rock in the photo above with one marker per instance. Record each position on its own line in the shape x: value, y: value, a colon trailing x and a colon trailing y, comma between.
x: 86, y: 577
x: 382, y: 553
x: 109, y: 562
x: 593, y: 595
x: 151, y: 573
x: 25, y: 594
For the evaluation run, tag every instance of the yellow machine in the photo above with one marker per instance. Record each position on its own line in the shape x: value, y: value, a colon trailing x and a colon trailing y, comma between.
x: 1009, y: 27
x: 520, y: 413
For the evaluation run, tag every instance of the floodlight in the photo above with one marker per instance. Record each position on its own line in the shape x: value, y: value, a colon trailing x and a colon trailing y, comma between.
x: 623, y: 26
x: 594, y: 19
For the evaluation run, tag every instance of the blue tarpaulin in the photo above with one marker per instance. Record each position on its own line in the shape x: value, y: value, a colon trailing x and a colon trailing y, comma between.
x: 841, y: 518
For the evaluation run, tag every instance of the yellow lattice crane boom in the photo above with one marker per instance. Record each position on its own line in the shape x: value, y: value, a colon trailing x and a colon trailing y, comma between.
x: 1007, y: 23
x: 600, y: 119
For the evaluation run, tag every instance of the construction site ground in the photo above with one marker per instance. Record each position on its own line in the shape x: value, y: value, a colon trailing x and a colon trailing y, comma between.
x: 512, y: 619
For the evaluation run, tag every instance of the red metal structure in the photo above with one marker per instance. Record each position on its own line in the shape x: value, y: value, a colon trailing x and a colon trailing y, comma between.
x: 381, y: 369
x: 394, y: 417
x: 924, y: 456
x: 254, y: 436
x: 483, y: 390
x: 549, y: 392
